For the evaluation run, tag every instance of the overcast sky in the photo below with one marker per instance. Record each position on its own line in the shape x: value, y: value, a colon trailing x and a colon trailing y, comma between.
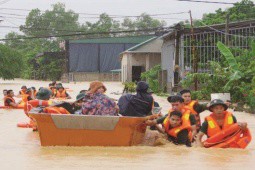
x: 111, y: 7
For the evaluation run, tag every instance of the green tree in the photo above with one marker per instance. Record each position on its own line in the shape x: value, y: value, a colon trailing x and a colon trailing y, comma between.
x: 10, y: 63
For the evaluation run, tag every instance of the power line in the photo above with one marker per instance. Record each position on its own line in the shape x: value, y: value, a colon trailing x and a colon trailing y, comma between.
x: 216, y: 30
x: 98, y: 15
x: 3, y: 2
x: 89, y: 33
x: 213, y: 2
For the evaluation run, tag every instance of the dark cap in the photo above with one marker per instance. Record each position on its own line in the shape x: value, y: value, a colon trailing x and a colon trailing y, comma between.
x: 43, y: 94
x: 80, y: 96
x: 216, y: 102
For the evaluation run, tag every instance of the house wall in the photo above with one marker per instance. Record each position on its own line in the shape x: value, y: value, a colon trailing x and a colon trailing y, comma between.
x: 147, y: 60
x: 167, y: 62
x: 90, y: 76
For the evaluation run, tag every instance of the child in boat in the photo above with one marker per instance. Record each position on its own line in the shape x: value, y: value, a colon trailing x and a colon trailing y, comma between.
x: 217, y: 121
x: 177, y: 130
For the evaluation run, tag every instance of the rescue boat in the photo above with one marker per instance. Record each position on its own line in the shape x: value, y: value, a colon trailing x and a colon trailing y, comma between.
x: 88, y: 130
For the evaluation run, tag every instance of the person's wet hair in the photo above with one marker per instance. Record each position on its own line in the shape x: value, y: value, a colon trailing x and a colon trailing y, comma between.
x: 176, y: 113
x: 184, y: 91
x: 5, y: 90
x: 9, y: 91
x: 173, y: 99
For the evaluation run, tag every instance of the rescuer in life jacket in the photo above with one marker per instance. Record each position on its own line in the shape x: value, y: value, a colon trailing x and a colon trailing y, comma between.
x: 217, y: 121
x: 177, y: 129
x: 61, y: 92
x: 9, y: 100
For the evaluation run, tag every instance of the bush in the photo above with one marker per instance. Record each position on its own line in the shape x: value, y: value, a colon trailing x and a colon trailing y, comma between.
x: 234, y: 75
x: 152, y: 76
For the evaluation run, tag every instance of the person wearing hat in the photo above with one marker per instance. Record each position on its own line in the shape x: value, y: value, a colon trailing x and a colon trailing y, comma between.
x: 218, y: 120
x: 61, y: 92
x: 138, y: 105
x: 97, y: 103
x: 78, y: 103
x: 42, y: 100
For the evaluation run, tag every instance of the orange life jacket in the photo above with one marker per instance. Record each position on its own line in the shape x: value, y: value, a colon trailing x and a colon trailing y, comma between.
x: 55, y: 110
x: 61, y: 95
x: 35, y: 103
x: 7, y: 97
x: 185, y: 124
x: 197, y: 116
x: 214, y: 128
x: 22, y: 92
x: 24, y: 97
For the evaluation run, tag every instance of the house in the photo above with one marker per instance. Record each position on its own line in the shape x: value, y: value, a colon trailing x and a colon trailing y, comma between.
x: 184, y: 52
x: 93, y: 59
x: 140, y: 58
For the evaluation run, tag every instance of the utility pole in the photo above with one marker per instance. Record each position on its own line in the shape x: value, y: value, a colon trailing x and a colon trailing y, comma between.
x: 227, y: 30
x: 194, y: 56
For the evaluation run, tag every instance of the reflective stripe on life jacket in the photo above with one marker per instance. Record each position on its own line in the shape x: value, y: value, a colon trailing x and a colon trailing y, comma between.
x: 197, y: 116
x: 214, y: 128
x: 185, y: 125
x: 7, y: 97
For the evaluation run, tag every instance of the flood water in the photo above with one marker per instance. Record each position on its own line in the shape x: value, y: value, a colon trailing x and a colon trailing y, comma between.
x: 20, y: 148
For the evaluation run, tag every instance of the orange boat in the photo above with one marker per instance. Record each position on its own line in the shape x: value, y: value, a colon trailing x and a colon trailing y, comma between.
x: 85, y: 130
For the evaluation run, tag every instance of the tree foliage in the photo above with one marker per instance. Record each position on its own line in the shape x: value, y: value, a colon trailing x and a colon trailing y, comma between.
x: 59, y: 21
x: 10, y: 63
x: 235, y: 75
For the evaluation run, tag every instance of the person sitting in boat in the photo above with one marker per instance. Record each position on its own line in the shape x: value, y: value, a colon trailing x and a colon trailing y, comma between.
x: 23, y: 90
x: 53, y: 90
x: 177, y: 129
x: 217, y: 121
x: 138, y: 105
x: 77, y: 105
x: 61, y: 92
x: 97, y: 103
x: 9, y: 100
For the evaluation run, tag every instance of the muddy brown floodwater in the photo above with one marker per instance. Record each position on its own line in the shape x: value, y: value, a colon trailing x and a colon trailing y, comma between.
x: 20, y: 148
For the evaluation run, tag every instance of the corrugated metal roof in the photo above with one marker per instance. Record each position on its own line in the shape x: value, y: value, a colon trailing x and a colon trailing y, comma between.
x: 111, y: 40
x: 152, y: 45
